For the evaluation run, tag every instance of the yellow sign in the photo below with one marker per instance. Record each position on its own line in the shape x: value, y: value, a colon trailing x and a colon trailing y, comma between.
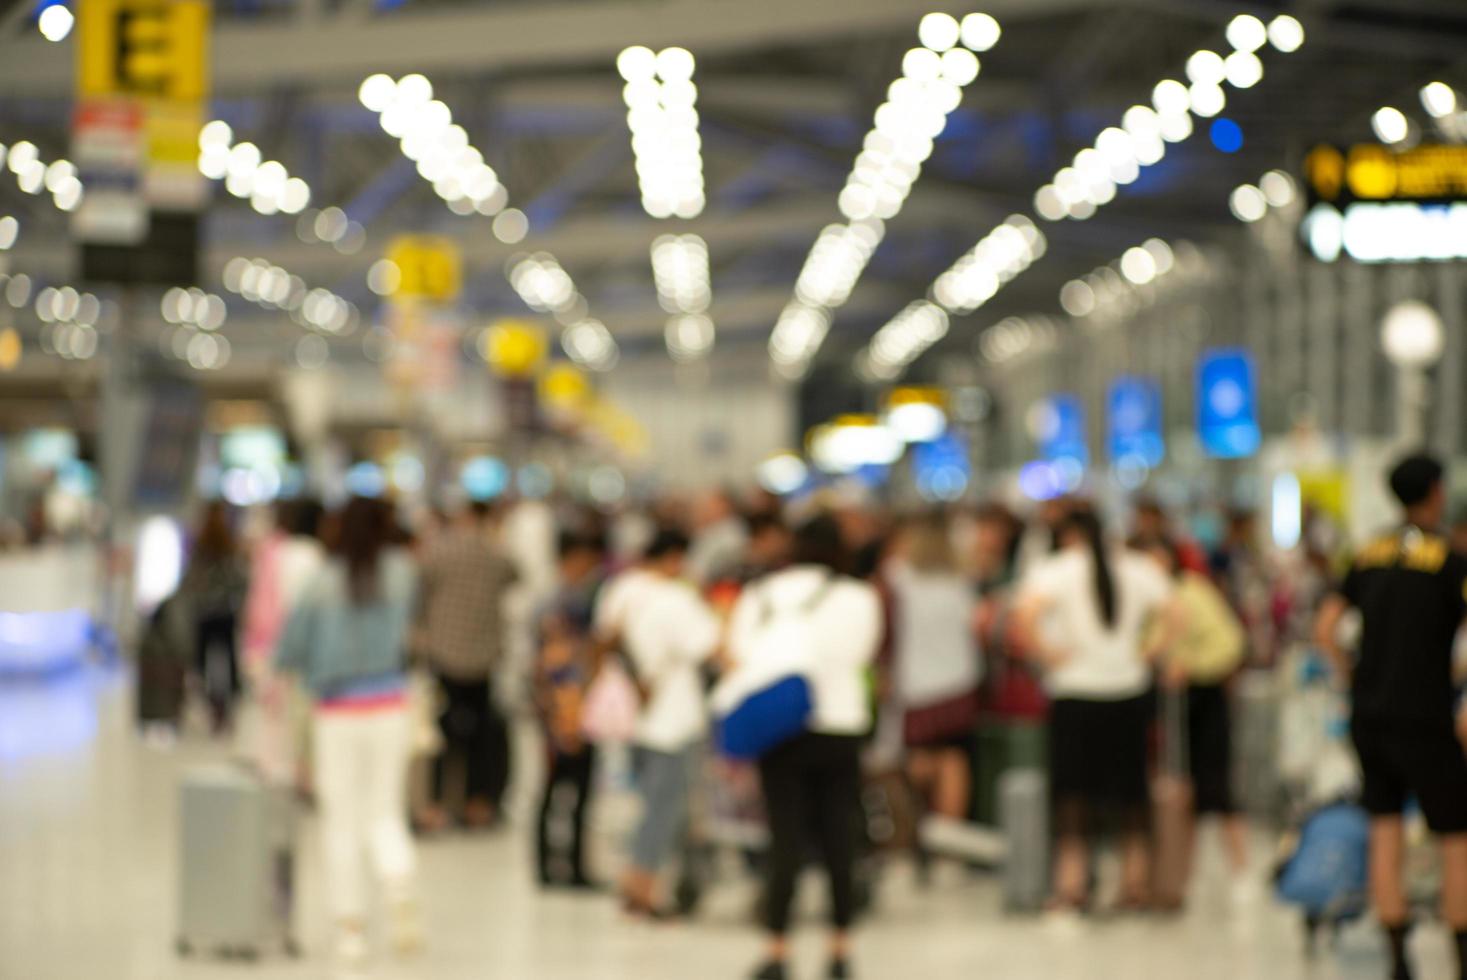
x: 515, y: 348
x: 430, y: 265
x: 154, y: 48
x: 564, y: 387
x: 915, y: 395
x: 1327, y: 492
x: 10, y: 349
x: 1372, y: 172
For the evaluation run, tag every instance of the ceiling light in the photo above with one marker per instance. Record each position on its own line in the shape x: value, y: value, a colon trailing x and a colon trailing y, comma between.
x: 55, y: 22
x: 1439, y: 99
x: 1390, y: 125
x: 1206, y: 68
x: 1248, y: 203
x: 1244, y: 69
x: 939, y: 31
x: 1247, y: 33
x: 1285, y: 33
x: 980, y: 32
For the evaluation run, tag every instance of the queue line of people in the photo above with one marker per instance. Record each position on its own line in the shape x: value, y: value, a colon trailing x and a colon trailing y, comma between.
x: 938, y: 622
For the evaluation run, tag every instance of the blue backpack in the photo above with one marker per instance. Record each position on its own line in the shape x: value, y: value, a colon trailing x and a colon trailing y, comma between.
x: 762, y: 704
x: 1328, y: 872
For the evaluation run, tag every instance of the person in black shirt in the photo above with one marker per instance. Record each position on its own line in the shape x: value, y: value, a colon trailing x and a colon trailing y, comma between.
x: 1407, y: 724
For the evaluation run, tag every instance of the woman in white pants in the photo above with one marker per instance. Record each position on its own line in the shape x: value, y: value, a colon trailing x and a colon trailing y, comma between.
x: 346, y: 639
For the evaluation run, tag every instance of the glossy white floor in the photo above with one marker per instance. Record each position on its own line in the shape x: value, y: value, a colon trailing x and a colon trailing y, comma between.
x: 88, y: 864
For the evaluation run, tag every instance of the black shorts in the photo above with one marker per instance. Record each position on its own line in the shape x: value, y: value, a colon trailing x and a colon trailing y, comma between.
x: 1399, y: 763
x: 1097, y: 753
x: 1210, y: 740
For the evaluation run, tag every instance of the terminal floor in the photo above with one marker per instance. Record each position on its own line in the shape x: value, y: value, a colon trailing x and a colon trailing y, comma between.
x: 88, y: 864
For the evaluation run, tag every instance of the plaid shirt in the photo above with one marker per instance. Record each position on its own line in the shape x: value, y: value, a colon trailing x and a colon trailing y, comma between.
x: 460, y: 612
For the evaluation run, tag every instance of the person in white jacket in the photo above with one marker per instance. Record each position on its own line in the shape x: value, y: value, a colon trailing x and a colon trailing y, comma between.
x: 812, y: 783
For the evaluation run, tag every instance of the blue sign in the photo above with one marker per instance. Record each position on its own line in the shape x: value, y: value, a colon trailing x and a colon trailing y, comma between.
x: 941, y: 467
x: 1227, y: 404
x: 1059, y: 428
x: 1134, y: 421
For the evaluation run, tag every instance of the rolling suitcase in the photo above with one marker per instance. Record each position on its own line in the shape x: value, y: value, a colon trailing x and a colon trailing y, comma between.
x: 1256, y: 745
x: 162, y: 668
x: 1023, y: 804
x: 237, y: 867
x: 1172, y: 796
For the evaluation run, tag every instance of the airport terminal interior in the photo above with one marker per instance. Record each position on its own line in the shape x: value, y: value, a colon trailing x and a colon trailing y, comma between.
x: 595, y: 489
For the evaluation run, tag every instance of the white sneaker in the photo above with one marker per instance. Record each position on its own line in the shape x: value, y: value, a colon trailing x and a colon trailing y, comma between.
x: 352, y: 951
x: 1064, y: 924
x: 408, y: 933
x: 1246, y: 892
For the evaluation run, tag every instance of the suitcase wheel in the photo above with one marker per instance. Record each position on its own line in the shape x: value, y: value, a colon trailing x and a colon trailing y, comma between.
x: 293, y: 948
x: 182, y: 947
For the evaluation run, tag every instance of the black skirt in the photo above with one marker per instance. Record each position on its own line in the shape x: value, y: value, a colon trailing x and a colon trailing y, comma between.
x: 1098, y: 752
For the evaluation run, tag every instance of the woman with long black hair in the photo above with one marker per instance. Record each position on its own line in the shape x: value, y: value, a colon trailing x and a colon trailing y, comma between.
x: 1084, y: 616
x: 346, y: 638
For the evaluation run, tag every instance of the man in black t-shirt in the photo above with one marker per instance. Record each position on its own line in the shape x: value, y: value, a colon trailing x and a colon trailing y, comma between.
x: 1408, y: 724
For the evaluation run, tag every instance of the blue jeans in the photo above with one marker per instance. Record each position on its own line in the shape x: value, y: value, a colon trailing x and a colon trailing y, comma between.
x: 664, y: 780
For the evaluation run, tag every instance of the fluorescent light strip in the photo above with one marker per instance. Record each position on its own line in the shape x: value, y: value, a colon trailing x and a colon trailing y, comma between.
x: 1092, y: 179
x: 547, y: 288
x: 901, y: 139
x: 267, y: 185
x: 911, y: 332
x: 1018, y: 337
x: 33, y: 175
x: 1132, y: 282
x: 439, y: 147
x: 680, y: 269
x: 273, y: 288
x: 1079, y: 190
x: 661, y: 99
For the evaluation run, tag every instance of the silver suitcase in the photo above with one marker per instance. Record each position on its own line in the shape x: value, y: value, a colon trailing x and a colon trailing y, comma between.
x: 237, y: 864
x: 1023, y: 814
x: 1024, y: 820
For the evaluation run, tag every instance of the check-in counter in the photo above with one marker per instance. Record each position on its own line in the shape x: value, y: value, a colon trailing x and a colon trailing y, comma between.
x: 48, y: 597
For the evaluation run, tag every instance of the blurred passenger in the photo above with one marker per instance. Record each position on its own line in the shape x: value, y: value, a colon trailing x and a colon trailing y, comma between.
x: 770, y: 543
x: 461, y: 634
x: 1457, y: 535
x: 1082, y: 614
x: 284, y: 561
x: 562, y: 674
x: 936, y: 664
x: 1151, y: 522
x: 1242, y: 573
x: 213, y: 588
x: 812, y: 784
x: 346, y: 638
x: 667, y: 634
x: 719, y: 539
x: 1409, y: 720
x: 1206, y: 653
x: 1040, y: 538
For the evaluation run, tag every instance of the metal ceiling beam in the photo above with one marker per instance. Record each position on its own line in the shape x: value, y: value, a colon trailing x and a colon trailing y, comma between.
x: 250, y: 57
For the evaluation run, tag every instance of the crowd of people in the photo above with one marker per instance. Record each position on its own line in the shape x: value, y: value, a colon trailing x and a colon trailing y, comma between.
x: 938, y: 646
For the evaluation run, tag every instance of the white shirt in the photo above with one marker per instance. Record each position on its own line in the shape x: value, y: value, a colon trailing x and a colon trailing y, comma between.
x: 936, y: 655
x: 1105, y: 662
x: 845, y: 628
x: 624, y: 592
x: 668, y: 631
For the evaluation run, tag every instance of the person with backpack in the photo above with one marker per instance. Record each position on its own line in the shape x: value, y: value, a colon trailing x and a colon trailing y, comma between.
x: 1408, y: 718
x: 812, y: 620
x: 1083, y: 614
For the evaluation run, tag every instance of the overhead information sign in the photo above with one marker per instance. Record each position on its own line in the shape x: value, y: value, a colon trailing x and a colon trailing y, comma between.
x: 1227, y: 404
x: 142, y: 84
x: 1134, y: 421
x: 1372, y: 172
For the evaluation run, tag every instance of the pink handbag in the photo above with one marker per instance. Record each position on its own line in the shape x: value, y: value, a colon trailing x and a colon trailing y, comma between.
x: 609, y: 713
